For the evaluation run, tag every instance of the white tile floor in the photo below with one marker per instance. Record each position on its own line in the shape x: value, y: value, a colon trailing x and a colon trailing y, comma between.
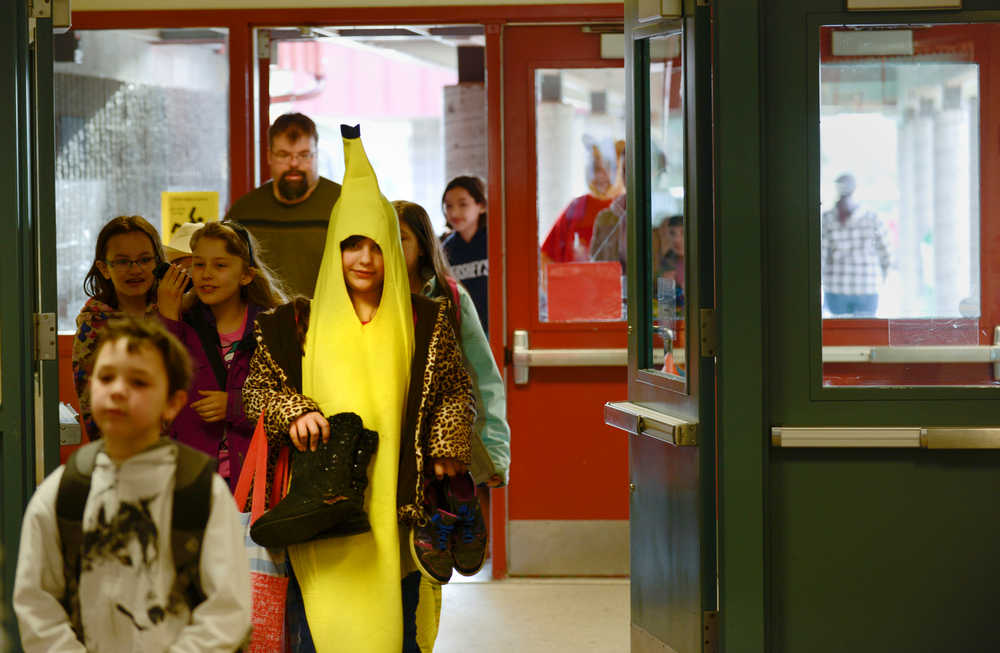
x: 521, y: 615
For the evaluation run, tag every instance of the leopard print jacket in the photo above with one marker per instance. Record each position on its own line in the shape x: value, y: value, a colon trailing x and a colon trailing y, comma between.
x: 440, y: 410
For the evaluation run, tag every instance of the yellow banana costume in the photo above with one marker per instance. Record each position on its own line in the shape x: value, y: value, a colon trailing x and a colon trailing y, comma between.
x: 351, y: 585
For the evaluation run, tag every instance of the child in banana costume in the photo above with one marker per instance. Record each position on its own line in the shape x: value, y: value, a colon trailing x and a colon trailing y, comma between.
x: 365, y: 345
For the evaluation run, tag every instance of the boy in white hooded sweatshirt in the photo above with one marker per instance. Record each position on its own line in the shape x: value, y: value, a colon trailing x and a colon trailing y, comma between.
x: 124, y: 597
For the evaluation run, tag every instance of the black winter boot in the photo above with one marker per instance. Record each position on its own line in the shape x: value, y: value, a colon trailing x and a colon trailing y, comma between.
x: 327, y: 492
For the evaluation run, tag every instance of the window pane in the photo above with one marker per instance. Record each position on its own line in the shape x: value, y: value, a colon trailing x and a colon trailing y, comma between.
x: 580, y: 149
x: 419, y: 94
x: 421, y: 124
x: 138, y: 113
x: 900, y: 204
x: 666, y: 205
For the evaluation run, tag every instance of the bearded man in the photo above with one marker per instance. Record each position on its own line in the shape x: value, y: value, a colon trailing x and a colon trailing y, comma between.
x: 289, y: 214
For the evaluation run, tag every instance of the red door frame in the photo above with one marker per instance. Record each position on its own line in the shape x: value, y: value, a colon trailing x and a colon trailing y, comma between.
x: 241, y: 24
x: 573, y: 470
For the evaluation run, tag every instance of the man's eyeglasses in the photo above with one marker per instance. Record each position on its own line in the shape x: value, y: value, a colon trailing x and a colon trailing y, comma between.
x: 127, y: 263
x: 283, y: 156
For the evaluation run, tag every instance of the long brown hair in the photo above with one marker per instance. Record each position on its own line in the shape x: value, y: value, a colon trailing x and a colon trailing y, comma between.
x: 431, y: 261
x: 264, y: 290
x: 103, y: 290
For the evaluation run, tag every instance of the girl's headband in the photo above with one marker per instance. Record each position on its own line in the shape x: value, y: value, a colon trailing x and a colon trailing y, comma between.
x: 244, y: 235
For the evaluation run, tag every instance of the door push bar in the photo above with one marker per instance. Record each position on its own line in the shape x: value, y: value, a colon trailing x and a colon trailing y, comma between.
x: 920, y: 354
x: 640, y: 420
x: 915, y: 437
x: 525, y: 358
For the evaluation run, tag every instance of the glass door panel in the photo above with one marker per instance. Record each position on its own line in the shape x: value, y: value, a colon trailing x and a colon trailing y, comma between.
x: 580, y: 140
x: 902, y: 217
x: 665, y: 222
x: 422, y: 123
x: 137, y: 113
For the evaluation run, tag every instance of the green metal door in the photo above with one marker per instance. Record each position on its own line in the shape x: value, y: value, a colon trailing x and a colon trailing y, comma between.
x: 879, y: 152
x: 29, y: 438
x: 669, y: 417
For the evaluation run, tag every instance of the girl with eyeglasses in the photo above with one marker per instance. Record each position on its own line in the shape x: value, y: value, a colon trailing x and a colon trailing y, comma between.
x: 120, y: 282
x: 232, y: 286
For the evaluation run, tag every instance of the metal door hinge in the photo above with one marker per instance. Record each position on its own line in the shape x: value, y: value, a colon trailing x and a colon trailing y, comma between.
x: 37, y: 9
x: 710, y: 631
x: 708, y: 330
x: 45, y: 336
x: 263, y: 43
x: 40, y: 8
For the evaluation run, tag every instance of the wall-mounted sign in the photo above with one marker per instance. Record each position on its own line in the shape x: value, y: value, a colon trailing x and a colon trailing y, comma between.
x: 176, y: 208
x: 858, y: 43
x: 872, y: 5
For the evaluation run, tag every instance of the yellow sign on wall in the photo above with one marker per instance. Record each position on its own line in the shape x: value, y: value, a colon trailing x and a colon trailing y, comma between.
x: 187, y: 206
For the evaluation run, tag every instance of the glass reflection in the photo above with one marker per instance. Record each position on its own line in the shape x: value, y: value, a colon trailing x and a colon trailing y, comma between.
x: 666, y: 202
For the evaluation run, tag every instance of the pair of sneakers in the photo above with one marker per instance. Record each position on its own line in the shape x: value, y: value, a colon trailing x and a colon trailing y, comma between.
x: 454, y: 536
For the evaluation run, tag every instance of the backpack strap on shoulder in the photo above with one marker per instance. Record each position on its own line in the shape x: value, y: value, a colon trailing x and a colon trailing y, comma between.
x: 191, y: 508
x: 456, y: 298
x: 71, y: 498
x: 208, y: 336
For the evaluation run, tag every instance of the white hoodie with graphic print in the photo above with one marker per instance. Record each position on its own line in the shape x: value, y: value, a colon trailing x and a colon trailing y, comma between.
x: 127, y: 566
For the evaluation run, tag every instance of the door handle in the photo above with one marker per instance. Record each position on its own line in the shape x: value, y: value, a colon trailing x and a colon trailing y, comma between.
x: 639, y: 420
x: 913, y: 437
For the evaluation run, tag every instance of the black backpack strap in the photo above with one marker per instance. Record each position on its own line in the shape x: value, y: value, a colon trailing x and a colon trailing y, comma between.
x: 191, y: 508
x: 209, y: 338
x: 189, y: 518
x: 74, y: 488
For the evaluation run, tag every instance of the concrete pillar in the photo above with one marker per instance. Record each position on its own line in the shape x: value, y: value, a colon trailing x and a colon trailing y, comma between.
x: 972, y: 109
x: 560, y: 167
x: 908, y: 247
x: 465, y: 130
x: 923, y: 201
x: 951, y: 204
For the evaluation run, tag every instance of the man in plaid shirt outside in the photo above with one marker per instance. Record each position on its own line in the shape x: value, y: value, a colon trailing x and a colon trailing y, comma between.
x: 855, y: 254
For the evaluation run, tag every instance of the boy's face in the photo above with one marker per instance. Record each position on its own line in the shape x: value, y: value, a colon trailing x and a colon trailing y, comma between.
x: 128, y: 392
